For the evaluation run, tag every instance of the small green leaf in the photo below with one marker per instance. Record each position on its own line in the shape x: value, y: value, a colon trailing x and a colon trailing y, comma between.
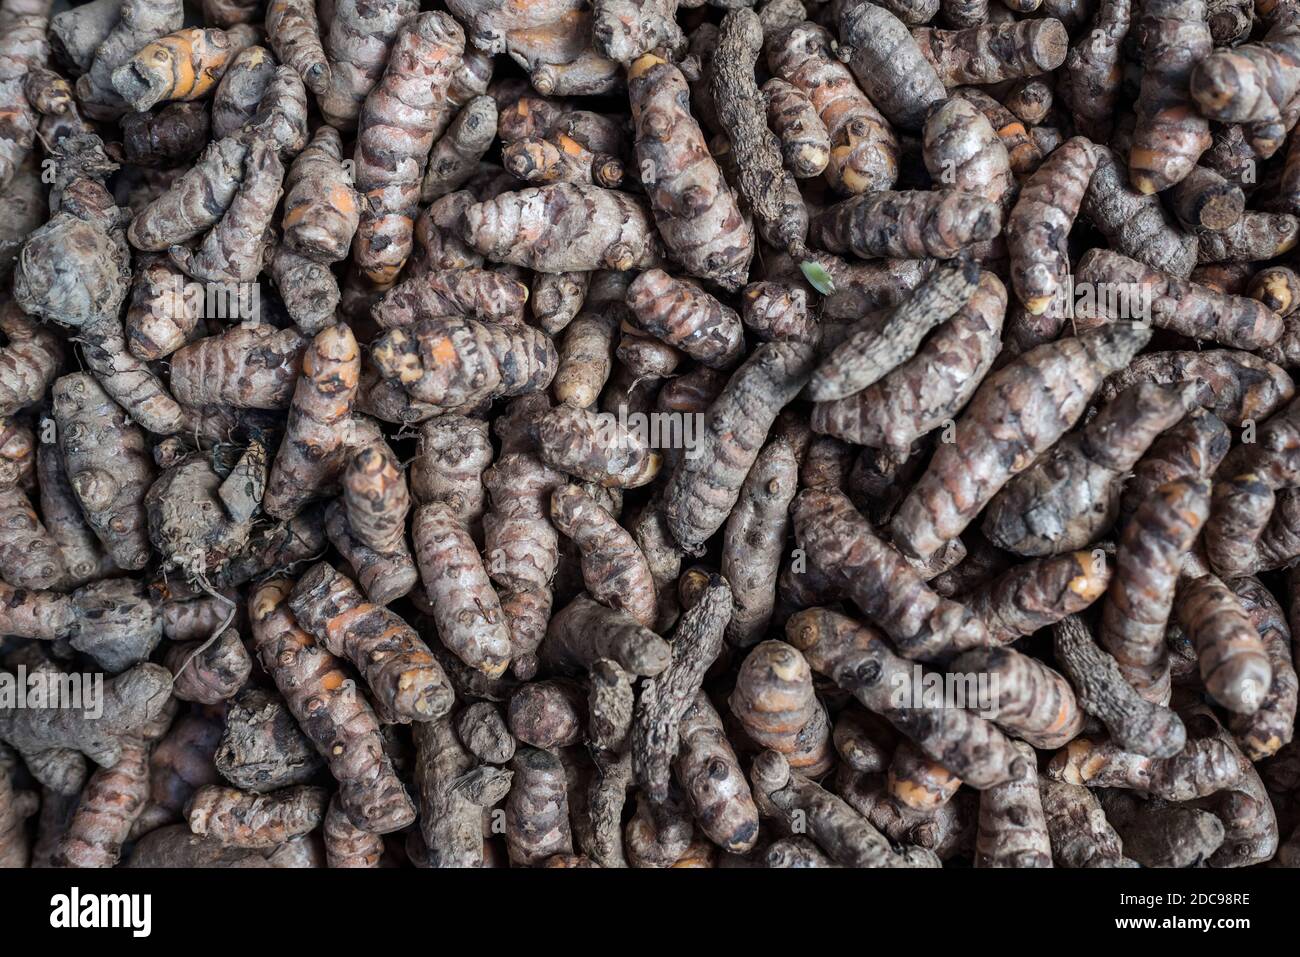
x: 818, y: 277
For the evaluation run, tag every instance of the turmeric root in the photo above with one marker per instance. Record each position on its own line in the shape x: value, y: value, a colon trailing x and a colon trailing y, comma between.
x: 82, y: 555
x: 586, y: 354
x: 466, y: 609
x: 131, y: 702
x: 188, y: 523
x: 1134, y: 223
x: 704, y: 487
x: 1159, y: 834
x: 775, y: 703
x: 586, y: 631
x: 840, y: 543
x: 294, y: 34
x: 537, y: 809
x: 614, y: 570
x: 185, y: 65
x: 1025, y: 697
x: 450, y: 821
x: 961, y: 149
x: 1012, y: 825
x: 1170, y: 134
x: 451, y: 292
x: 457, y: 152
x: 596, y: 447
x: 993, y: 52
x: 547, y: 714
x: 1233, y: 661
x: 935, y: 224
x: 15, y: 807
x: 111, y: 802
x: 308, y: 289
x: 858, y: 659
x: 310, y: 454
x: 558, y: 297
x: 890, y: 65
x: 767, y: 187
x: 825, y: 119
x: 842, y: 833
x: 321, y: 209
x: 1135, y: 724
x: 685, y: 316
x: 277, y: 549
x: 913, y: 399
x: 694, y: 208
x: 376, y: 498
x: 483, y: 731
x: 281, y: 117
x: 870, y: 353
x: 714, y: 784
x: 805, y: 141
x: 1022, y: 152
x: 108, y: 467
x: 553, y: 43
x: 195, y: 202
x: 173, y: 135
x: 247, y: 366
x: 918, y: 783
x: 1035, y: 594
x: 346, y: 845
x: 25, y: 209
x: 1235, y: 386
x: 1204, y: 766
x: 23, y: 48
x: 753, y: 540
x: 1204, y: 199
x: 139, y: 23
x: 28, y: 362
x: 1081, y: 835
x: 209, y: 672
x: 564, y: 228
x: 396, y: 129
x: 330, y: 711
x: 85, y: 218
x: 1262, y: 734
x: 625, y: 29
x: 559, y: 158
x: 1253, y: 237
x: 1192, y: 449
x: 454, y: 451
x: 1253, y: 85
x: 1093, y: 71
x: 406, y: 679
x: 383, y: 576
x: 357, y: 48
x: 936, y: 511
x: 1068, y: 498
x: 665, y: 697
x: 242, y: 88
x: 262, y: 749
x: 455, y: 362
x: 776, y: 311
x: 1040, y: 222
x: 233, y: 251
x: 240, y: 819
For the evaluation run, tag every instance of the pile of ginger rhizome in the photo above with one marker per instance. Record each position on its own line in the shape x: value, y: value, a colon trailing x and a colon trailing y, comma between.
x: 596, y: 435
